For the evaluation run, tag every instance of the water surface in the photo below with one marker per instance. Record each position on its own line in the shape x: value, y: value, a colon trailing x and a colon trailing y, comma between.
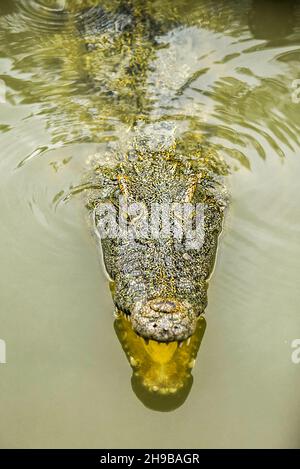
x: 224, y: 72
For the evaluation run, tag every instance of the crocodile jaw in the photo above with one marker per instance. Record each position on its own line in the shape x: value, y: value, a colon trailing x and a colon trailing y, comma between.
x: 159, y: 369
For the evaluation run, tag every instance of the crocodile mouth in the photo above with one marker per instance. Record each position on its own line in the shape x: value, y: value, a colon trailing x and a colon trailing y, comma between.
x: 163, y: 319
x: 162, y: 372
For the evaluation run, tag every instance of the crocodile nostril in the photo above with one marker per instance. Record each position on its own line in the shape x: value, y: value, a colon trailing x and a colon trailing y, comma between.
x: 164, y: 306
x: 151, y: 319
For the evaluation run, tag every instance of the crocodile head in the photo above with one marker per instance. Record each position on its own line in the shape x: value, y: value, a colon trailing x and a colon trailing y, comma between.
x: 160, y: 279
x: 162, y: 372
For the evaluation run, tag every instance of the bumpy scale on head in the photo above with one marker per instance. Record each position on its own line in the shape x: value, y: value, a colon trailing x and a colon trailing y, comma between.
x: 159, y: 283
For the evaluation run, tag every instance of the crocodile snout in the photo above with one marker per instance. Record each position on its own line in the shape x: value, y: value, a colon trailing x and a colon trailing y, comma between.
x: 164, y: 320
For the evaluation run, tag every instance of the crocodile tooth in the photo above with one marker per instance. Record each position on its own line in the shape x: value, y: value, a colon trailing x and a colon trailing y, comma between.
x: 188, y: 341
x: 180, y: 344
x: 132, y: 360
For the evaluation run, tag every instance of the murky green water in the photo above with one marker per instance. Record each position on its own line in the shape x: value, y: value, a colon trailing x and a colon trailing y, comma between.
x: 225, y: 71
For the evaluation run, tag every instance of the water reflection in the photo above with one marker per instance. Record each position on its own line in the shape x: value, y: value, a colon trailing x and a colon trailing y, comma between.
x: 211, y: 67
x: 222, y: 71
x: 269, y: 15
x: 161, y: 373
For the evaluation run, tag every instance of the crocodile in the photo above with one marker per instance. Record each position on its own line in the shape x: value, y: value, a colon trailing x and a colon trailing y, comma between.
x: 161, y: 372
x: 158, y: 272
x: 159, y: 283
x: 159, y: 279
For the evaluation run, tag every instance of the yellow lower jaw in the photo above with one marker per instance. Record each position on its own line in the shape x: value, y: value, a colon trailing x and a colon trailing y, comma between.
x: 162, y: 368
x: 160, y: 352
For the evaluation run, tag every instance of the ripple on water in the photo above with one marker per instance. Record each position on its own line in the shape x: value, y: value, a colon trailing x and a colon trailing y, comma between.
x: 222, y: 71
x: 41, y: 16
x: 226, y: 81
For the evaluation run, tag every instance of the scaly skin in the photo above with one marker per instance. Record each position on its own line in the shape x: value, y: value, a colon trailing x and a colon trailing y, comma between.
x: 160, y: 284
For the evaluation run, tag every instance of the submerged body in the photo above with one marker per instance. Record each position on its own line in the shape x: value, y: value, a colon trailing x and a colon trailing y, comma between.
x: 160, y: 269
